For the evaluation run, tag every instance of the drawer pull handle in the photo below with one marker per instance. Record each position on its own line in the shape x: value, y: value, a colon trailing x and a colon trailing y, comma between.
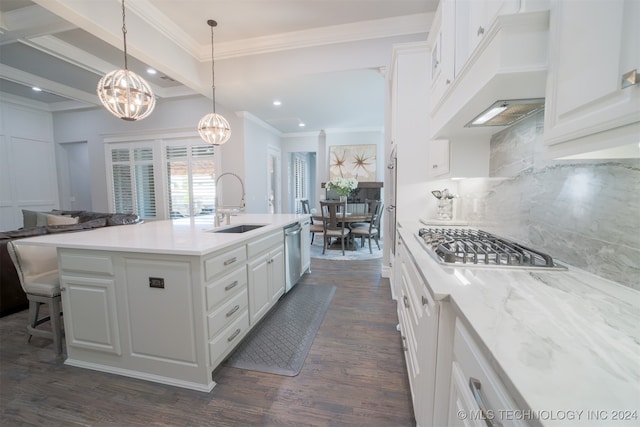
x: 231, y: 260
x: 233, y: 310
x: 475, y: 387
x: 406, y: 301
x: 235, y: 334
x: 480, y: 31
x: 404, y: 343
x: 425, y: 301
x: 231, y: 285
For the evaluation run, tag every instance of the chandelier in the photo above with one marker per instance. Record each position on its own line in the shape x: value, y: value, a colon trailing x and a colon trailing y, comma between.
x: 123, y: 93
x: 213, y: 128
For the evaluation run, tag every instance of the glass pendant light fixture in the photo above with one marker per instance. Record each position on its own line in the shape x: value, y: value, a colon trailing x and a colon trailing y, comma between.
x: 213, y: 128
x: 124, y: 93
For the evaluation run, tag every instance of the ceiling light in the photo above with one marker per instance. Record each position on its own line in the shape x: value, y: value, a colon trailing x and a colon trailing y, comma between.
x: 301, y: 125
x: 125, y: 94
x: 151, y: 71
x: 36, y: 89
x: 505, y: 113
x: 277, y: 103
x: 213, y: 128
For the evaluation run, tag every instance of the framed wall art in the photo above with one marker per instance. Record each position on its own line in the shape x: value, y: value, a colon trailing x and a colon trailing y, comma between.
x: 353, y: 161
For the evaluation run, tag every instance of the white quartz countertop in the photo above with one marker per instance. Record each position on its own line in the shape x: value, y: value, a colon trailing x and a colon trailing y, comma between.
x: 565, y: 343
x: 184, y: 236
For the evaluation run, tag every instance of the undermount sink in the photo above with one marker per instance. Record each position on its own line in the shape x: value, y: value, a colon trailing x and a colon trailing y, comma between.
x: 242, y: 228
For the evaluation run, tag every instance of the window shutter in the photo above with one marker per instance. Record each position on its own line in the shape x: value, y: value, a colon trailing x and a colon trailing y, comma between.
x: 191, y: 180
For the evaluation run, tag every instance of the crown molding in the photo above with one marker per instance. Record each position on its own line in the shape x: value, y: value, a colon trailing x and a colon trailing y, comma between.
x: 255, y: 119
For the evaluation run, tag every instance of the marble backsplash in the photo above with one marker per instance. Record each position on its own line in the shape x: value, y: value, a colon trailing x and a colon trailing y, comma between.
x: 583, y: 212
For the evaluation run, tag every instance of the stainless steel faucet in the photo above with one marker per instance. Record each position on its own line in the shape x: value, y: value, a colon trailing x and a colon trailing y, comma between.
x: 220, y: 214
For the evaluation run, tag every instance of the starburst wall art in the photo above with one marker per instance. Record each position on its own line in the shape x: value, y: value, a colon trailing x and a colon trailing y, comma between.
x: 353, y: 161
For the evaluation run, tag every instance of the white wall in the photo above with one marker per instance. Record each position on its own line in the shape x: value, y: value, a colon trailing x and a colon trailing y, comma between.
x: 27, y: 164
x: 258, y: 137
x: 95, y: 124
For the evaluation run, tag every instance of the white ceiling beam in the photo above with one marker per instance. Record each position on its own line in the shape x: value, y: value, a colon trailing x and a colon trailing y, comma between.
x: 27, y: 79
x: 103, y: 19
x: 28, y: 22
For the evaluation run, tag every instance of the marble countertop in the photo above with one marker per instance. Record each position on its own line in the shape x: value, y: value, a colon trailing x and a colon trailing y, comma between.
x: 560, y: 340
x: 184, y: 236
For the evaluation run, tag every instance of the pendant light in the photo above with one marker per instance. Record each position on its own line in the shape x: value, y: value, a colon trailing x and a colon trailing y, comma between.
x: 124, y: 93
x: 213, y: 128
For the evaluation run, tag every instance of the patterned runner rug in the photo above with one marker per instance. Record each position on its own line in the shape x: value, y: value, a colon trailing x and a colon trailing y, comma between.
x: 279, y: 344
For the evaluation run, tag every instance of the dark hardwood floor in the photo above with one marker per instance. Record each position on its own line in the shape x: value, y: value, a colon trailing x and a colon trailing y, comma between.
x: 354, y: 374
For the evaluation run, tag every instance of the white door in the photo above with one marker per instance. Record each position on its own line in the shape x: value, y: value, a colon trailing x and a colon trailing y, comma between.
x: 273, y: 180
x: 74, y: 176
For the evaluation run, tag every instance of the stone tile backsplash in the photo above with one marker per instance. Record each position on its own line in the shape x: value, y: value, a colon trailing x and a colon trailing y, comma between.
x: 583, y: 212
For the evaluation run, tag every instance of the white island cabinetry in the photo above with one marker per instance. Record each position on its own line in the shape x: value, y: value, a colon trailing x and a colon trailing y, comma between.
x: 167, y: 301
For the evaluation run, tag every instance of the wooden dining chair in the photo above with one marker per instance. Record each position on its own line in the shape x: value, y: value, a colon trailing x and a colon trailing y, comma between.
x: 372, y: 231
x: 371, y: 208
x: 333, y: 214
x: 315, y: 227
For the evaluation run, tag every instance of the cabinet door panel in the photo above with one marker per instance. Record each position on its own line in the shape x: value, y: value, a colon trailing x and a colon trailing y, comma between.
x: 161, y: 319
x: 93, y: 323
x: 259, y: 296
x: 278, y: 279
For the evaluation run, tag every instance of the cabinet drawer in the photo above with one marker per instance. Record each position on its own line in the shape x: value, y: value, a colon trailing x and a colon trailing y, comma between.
x: 473, y: 368
x: 222, y: 289
x: 84, y: 263
x: 226, y: 341
x: 227, y: 260
x: 264, y: 243
x: 226, y: 314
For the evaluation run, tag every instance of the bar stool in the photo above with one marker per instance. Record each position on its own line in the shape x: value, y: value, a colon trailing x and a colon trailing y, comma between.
x: 37, y: 268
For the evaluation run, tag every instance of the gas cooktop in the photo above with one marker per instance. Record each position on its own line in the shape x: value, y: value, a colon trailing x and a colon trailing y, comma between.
x: 477, y: 248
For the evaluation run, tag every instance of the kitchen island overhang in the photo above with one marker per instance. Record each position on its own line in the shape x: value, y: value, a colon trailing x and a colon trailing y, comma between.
x: 167, y: 301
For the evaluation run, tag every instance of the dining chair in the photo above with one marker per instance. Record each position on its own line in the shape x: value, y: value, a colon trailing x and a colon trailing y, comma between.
x: 314, y: 228
x: 333, y: 213
x: 372, y: 231
x: 371, y: 207
x: 37, y: 268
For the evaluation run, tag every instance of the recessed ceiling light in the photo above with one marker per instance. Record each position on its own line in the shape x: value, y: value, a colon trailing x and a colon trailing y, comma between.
x: 36, y: 89
x: 151, y: 71
x: 277, y: 103
x: 301, y: 125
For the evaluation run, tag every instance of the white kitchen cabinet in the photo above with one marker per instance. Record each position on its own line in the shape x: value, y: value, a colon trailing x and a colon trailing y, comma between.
x: 472, y: 21
x: 305, y: 245
x: 588, y: 112
x: 438, y: 157
x: 266, y: 268
x: 477, y: 393
x: 409, y: 130
x: 418, y: 315
x: 87, y: 282
x: 441, y: 40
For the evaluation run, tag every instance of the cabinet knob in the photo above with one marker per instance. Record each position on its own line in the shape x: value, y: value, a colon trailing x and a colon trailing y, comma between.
x: 406, y: 301
x: 425, y: 301
x: 448, y: 82
x: 480, y: 30
x: 630, y: 79
x: 63, y: 289
x: 435, y: 166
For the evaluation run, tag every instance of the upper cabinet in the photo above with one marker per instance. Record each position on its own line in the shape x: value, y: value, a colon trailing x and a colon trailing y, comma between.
x: 486, y: 51
x: 592, y: 106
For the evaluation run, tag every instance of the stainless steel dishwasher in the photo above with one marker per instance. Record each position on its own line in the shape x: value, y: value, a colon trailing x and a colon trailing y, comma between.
x: 293, y: 259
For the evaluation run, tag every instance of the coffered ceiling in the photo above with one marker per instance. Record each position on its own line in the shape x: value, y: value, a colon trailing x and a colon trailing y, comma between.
x: 324, y: 59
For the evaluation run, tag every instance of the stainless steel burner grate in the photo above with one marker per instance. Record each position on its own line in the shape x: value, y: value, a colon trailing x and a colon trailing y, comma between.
x: 477, y: 247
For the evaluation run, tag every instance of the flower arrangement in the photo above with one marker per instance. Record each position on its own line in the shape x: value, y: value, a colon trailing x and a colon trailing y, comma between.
x: 343, y: 186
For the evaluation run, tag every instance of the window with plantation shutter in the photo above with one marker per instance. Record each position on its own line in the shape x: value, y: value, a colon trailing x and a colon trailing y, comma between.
x: 133, y: 181
x: 190, y: 180
x: 299, y: 182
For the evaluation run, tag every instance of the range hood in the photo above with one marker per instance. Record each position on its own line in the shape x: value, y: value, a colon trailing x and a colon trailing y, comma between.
x: 506, y: 71
x: 507, y: 112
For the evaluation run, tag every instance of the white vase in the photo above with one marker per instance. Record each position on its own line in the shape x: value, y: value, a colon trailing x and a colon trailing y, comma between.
x: 343, y: 199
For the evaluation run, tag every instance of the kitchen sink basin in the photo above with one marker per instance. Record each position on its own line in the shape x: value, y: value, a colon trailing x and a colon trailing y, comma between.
x: 242, y: 228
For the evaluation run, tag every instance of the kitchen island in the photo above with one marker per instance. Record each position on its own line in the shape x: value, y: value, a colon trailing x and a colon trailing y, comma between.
x: 167, y: 301
x: 545, y: 347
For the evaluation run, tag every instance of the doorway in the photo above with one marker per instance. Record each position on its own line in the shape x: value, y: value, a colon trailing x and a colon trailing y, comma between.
x: 74, y: 175
x: 273, y: 180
